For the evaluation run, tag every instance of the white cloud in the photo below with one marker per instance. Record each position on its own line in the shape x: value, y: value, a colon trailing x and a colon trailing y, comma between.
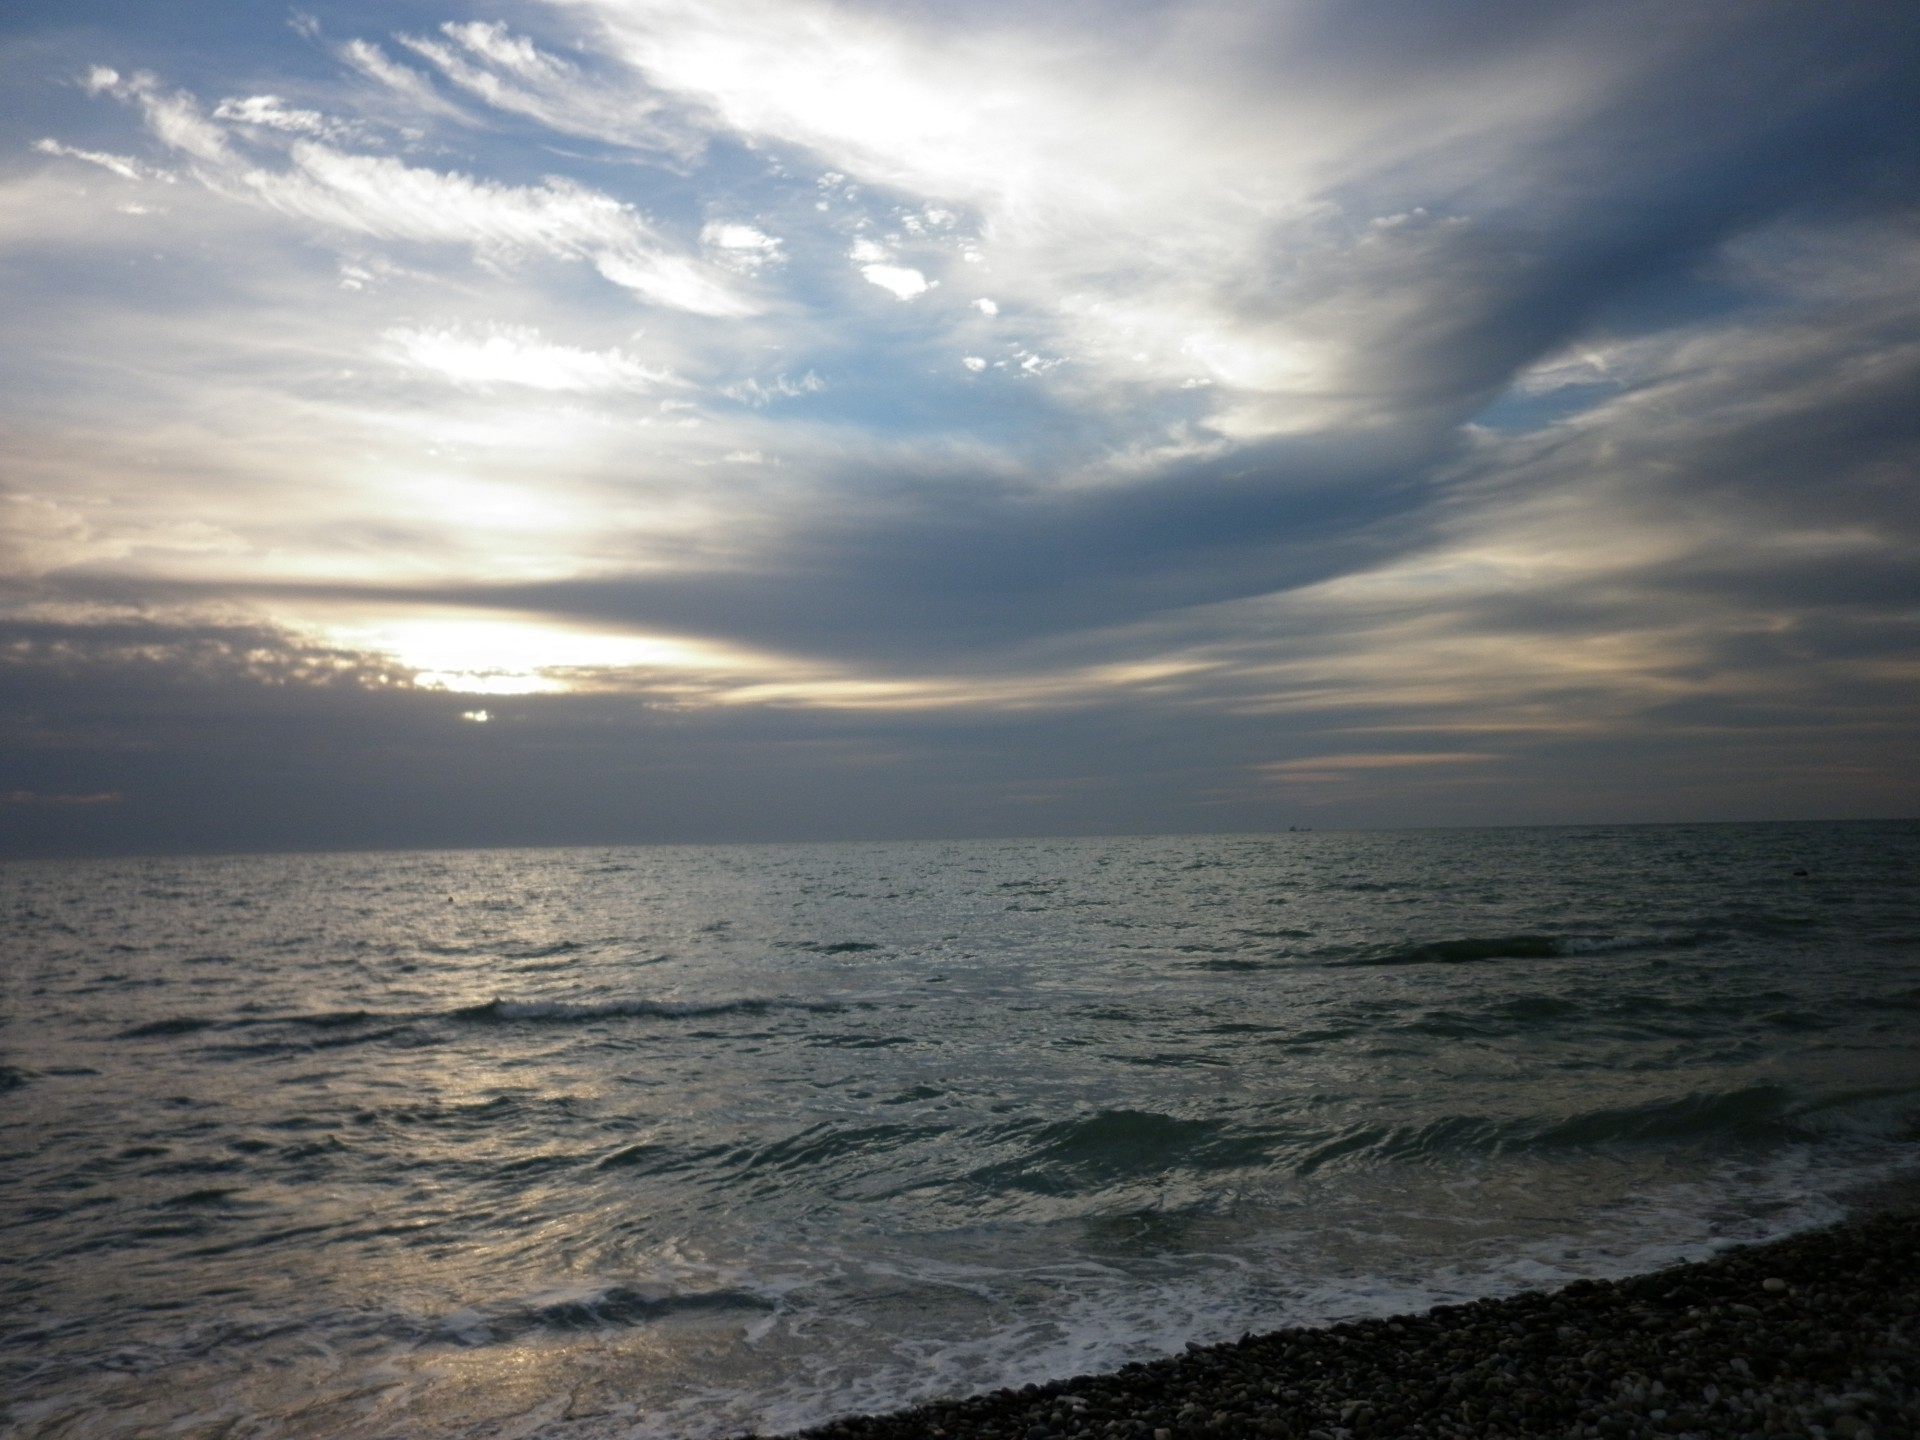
x: 125, y: 166
x: 1114, y: 185
x: 273, y: 113
x: 381, y: 196
x: 483, y: 83
x: 672, y: 280
x: 1128, y: 187
x: 986, y: 306
x: 738, y: 237
x: 900, y: 281
x: 179, y: 125
x: 46, y: 533
x: 511, y: 73
x: 758, y: 393
x: 510, y: 355
x: 370, y: 60
x: 514, y: 53
x: 740, y: 247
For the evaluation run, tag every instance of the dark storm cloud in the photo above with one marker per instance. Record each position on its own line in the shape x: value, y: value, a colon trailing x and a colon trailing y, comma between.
x: 936, y: 566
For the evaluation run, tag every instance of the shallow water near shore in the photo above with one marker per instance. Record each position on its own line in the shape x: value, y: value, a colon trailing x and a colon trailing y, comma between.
x: 685, y: 1141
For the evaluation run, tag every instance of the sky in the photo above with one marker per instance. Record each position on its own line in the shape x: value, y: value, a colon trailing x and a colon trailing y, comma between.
x: 607, y: 421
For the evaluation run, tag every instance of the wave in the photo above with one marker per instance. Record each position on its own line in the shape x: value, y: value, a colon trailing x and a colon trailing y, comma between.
x: 173, y: 1025
x: 498, y: 1010
x: 328, y: 1028
x: 324, y: 1019
x: 325, y: 1030
x: 542, y: 952
x: 1460, y: 952
x: 614, y: 1307
x: 1473, y: 949
x: 1111, y: 1148
x: 1757, y: 1112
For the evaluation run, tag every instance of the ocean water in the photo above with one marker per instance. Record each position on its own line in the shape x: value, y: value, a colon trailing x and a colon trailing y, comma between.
x: 688, y: 1141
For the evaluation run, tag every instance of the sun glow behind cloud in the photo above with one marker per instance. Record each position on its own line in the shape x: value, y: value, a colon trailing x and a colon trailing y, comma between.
x: 498, y: 655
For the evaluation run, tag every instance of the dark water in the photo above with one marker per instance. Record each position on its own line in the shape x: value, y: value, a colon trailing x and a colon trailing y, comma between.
x: 680, y: 1141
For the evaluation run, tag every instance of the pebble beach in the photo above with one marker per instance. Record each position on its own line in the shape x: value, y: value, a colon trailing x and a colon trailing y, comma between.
x: 1816, y: 1335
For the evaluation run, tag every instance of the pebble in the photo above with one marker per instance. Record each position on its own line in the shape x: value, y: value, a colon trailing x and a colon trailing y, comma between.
x: 1680, y: 1351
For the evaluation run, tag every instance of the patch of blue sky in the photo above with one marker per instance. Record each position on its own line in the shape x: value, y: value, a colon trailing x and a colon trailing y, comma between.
x: 1519, y: 410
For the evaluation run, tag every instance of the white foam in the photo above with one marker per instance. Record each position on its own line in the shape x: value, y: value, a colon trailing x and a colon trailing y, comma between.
x: 1079, y: 1315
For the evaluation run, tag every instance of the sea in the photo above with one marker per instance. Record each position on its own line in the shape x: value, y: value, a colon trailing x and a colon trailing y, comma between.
x: 693, y: 1142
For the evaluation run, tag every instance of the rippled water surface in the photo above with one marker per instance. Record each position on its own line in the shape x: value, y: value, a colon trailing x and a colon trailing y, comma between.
x: 597, y: 1143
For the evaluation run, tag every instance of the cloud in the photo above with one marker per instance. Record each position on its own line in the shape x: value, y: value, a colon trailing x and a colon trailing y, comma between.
x: 1340, y: 392
x: 45, y: 533
x: 125, y: 166
x: 733, y: 236
x: 518, y: 356
x: 29, y: 797
x: 101, y: 640
x: 900, y: 281
x: 403, y: 80
x: 1319, y: 766
x: 1282, y: 204
x: 509, y: 72
x: 740, y: 247
x: 379, y: 195
x: 273, y: 113
x: 755, y: 392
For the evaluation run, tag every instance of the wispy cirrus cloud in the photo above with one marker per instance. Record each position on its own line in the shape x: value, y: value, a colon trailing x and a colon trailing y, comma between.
x: 385, y: 197
x: 412, y: 87
x: 273, y: 113
x: 125, y: 166
x: 519, y: 356
x: 510, y: 73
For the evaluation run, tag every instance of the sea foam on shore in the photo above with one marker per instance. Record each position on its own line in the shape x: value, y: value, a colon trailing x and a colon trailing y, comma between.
x: 1815, y: 1335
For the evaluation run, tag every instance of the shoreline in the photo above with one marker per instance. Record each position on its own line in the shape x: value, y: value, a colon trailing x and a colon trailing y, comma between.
x: 1814, y: 1335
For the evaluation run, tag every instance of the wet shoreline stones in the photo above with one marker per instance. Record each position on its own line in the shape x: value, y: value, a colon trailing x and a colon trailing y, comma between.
x: 1814, y: 1336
